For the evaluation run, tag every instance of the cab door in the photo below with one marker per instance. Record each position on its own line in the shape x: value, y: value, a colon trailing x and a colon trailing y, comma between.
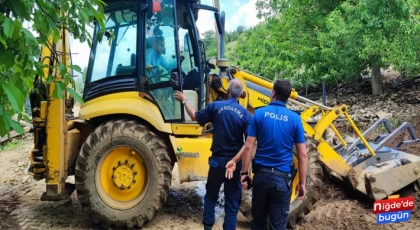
x: 171, y: 58
x: 161, y: 59
x: 190, y: 72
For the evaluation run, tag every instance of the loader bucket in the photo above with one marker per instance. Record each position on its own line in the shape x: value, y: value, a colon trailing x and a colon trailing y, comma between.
x: 389, y: 170
x: 372, y: 168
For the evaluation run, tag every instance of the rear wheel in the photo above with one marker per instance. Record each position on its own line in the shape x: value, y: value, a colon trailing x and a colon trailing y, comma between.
x: 313, y: 185
x: 123, y: 174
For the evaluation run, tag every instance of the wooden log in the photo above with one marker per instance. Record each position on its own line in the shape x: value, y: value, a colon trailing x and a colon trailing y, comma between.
x: 24, y: 124
x: 13, y: 134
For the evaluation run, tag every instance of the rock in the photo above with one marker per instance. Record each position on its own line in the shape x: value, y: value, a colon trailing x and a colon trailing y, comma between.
x: 332, y: 102
x: 382, y: 114
x: 26, y: 179
x: 21, y: 164
x: 17, y: 169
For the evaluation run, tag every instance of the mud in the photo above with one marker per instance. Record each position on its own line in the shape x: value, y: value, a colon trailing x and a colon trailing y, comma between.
x: 352, y: 178
x: 21, y: 207
x: 341, y: 208
x: 413, y: 148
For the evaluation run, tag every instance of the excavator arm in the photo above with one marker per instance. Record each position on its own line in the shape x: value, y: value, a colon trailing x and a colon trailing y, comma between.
x: 56, y: 142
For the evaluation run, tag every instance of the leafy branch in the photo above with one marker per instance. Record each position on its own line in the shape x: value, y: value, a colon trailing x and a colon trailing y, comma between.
x: 20, y: 49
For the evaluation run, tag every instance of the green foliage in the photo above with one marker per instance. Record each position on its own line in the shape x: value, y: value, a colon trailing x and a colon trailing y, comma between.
x: 20, y: 49
x: 210, y: 43
x: 80, y: 82
x: 11, y: 145
x: 231, y: 39
x: 312, y: 41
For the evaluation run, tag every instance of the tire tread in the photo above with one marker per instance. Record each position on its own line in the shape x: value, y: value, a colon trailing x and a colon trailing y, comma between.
x: 130, y: 128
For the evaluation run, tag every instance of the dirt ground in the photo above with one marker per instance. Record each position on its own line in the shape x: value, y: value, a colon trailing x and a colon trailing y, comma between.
x: 341, y: 208
x: 21, y: 208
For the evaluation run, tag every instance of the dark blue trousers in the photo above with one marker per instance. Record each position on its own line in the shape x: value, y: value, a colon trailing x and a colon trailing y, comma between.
x: 232, y: 190
x: 270, y: 199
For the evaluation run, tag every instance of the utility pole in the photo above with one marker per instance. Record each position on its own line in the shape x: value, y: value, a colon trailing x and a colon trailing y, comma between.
x: 217, y: 5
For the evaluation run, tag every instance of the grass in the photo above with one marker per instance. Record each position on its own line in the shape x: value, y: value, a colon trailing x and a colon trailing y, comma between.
x: 11, y: 144
x: 395, y: 122
x: 230, y: 51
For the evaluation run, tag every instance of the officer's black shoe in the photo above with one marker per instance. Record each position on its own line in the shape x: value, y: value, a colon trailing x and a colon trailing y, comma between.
x: 207, y: 227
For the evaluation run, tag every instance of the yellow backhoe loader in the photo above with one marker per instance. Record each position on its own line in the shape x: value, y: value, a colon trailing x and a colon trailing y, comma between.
x: 122, y: 145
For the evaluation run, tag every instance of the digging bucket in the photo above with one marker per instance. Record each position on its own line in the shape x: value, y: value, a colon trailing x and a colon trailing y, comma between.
x: 390, y: 169
x: 373, y: 168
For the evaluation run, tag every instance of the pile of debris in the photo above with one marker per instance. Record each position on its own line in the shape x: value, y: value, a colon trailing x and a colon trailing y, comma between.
x: 398, y: 103
x: 364, y: 108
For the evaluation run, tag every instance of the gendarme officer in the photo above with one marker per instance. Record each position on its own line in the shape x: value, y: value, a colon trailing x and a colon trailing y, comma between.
x: 230, y: 121
x: 276, y: 129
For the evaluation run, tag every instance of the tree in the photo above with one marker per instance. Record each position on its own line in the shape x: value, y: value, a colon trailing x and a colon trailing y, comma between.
x: 332, y: 40
x: 240, y: 29
x: 210, y: 43
x: 20, y: 48
x: 80, y: 82
x: 377, y: 34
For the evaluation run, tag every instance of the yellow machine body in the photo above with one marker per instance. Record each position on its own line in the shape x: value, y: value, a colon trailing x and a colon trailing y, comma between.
x: 121, y: 150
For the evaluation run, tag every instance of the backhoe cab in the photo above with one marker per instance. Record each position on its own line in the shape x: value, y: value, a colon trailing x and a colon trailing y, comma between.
x: 129, y: 133
x: 151, y: 47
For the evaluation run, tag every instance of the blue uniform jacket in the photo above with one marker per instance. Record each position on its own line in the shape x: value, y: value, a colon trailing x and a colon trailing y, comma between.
x: 230, y: 121
x: 276, y: 129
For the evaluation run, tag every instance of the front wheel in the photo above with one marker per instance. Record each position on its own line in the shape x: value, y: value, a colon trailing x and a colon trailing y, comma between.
x: 313, y: 185
x: 123, y: 174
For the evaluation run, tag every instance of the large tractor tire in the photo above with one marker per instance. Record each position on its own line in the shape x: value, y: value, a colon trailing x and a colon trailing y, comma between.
x: 298, y: 208
x: 123, y: 174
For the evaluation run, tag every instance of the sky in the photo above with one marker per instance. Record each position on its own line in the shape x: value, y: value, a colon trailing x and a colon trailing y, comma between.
x: 237, y: 13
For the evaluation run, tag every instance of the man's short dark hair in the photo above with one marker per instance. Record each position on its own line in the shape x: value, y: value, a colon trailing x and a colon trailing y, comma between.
x: 282, y: 88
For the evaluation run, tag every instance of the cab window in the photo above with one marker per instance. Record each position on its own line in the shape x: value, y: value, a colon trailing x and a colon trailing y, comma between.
x: 161, y: 56
x: 115, y: 52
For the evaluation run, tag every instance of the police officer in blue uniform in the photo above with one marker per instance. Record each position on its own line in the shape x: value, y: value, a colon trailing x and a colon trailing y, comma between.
x: 276, y: 129
x: 230, y: 121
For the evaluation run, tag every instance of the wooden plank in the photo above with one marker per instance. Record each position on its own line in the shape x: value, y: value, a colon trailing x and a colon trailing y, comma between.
x: 23, y: 123
x: 14, y: 134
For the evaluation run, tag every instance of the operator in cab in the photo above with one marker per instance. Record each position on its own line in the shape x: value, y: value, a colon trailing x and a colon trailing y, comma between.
x: 155, y: 59
x: 276, y: 129
x: 230, y: 121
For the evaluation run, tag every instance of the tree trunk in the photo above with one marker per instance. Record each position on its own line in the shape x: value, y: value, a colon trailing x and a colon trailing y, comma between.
x: 376, y: 80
